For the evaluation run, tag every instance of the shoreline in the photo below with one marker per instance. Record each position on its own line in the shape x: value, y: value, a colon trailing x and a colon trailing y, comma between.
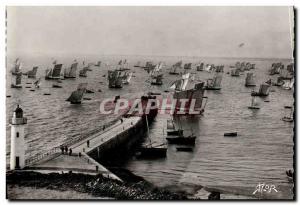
x: 96, y: 186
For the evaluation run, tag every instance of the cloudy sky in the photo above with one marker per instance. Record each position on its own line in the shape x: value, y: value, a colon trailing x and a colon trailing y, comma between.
x: 173, y: 31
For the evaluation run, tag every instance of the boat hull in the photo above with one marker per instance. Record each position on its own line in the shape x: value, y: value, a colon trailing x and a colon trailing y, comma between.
x: 152, y: 152
x: 212, y: 88
x: 230, y: 134
x: 15, y: 86
x: 184, y: 149
x: 181, y: 140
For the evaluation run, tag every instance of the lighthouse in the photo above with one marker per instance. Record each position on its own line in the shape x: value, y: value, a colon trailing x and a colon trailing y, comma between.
x: 17, y: 140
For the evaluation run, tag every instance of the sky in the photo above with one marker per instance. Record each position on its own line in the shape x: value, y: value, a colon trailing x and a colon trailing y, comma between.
x: 254, y: 32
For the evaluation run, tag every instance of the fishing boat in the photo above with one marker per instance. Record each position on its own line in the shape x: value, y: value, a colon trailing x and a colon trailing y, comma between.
x: 254, y: 104
x: 54, y: 73
x: 32, y: 73
x: 149, y: 150
x: 138, y: 64
x: 215, y: 83
x: 18, y: 82
x: 264, y: 90
x: 199, y: 67
x: 194, y: 95
x: 187, y: 66
x: 127, y: 77
x: 235, y: 72
x: 157, y: 80
x: 289, y: 118
x: 249, y: 81
x: 71, y: 71
x: 174, y: 68
x: 288, y: 84
x: 181, y: 139
x: 76, y: 96
x: 98, y: 64
x: 208, y: 68
x: 123, y: 65
x: 17, y: 67
x: 115, y: 79
x: 219, y: 69
x: 279, y: 82
x: 56, y: 85
x: 83, y: 72
x: 37, y: 83
x: 285, y: 74
x: 148, y: 65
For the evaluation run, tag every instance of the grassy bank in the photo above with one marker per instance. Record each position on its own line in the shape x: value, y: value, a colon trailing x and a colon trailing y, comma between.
x: 97, y: 186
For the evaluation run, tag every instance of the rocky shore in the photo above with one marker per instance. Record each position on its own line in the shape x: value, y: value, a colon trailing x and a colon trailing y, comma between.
x: 132, y: 187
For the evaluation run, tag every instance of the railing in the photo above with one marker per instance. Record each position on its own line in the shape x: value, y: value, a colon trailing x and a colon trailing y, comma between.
x: 18, y: 121
x: 41, y: 156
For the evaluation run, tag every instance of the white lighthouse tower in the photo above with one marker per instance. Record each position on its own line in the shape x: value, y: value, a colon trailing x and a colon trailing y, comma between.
x: 18, y: 147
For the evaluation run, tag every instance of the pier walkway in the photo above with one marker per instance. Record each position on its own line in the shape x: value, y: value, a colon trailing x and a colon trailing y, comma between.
x: 79, y: 161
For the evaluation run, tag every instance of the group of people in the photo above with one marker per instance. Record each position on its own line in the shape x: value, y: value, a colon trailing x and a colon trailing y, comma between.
x: 65, y: 150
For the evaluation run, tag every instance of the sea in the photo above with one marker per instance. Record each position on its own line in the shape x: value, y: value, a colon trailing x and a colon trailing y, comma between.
x: 261, y: 153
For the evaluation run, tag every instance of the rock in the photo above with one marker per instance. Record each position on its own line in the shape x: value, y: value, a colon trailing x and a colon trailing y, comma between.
x: 214, y: 196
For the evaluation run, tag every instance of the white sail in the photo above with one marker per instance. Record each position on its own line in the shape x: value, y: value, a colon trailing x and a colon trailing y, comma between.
x: 217, y: 80
x: 250, y: 79
x: 185, y: 79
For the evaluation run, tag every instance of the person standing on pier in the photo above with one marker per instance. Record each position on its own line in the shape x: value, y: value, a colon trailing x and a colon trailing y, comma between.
x: 88, y: 143
x: 70, y: 151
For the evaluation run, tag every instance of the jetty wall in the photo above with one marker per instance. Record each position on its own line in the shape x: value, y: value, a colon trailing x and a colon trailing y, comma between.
x: 120, y: 145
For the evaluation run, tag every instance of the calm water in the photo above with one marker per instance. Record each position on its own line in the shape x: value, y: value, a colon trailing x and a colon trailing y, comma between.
x: 261, y: 153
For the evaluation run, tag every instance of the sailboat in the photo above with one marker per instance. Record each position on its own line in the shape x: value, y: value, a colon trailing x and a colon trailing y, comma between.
x: 150, y: 151
x: 71, y: 71
x: 285, y: 74
x: 253, y: 104
x: 181, y: 139
x: 195, y: 95
x: 235, y: 72
x: 83, y: 72
x: 138, y: 64
x: 156, y: 75
x: 264, y: 90
x: 290, y: 117
x: 250, y: 80
x: 18, y: 83
x: 98, y: 64
x: 37, y: 83
x: 288, y: 84
x: 127, y: 77
x: 175, y: 67
x: 219, y: 69
x: 115, y: 79
x: 54, y: 73
x: 157, y: 80
x: 17, y: 67
x: 76, y: 96
x: 208, y: 68
x: 147, y: 65
x: 187, y: 66
x: 32, y: 73
x: 199, y: 67
x: 215, y: 83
